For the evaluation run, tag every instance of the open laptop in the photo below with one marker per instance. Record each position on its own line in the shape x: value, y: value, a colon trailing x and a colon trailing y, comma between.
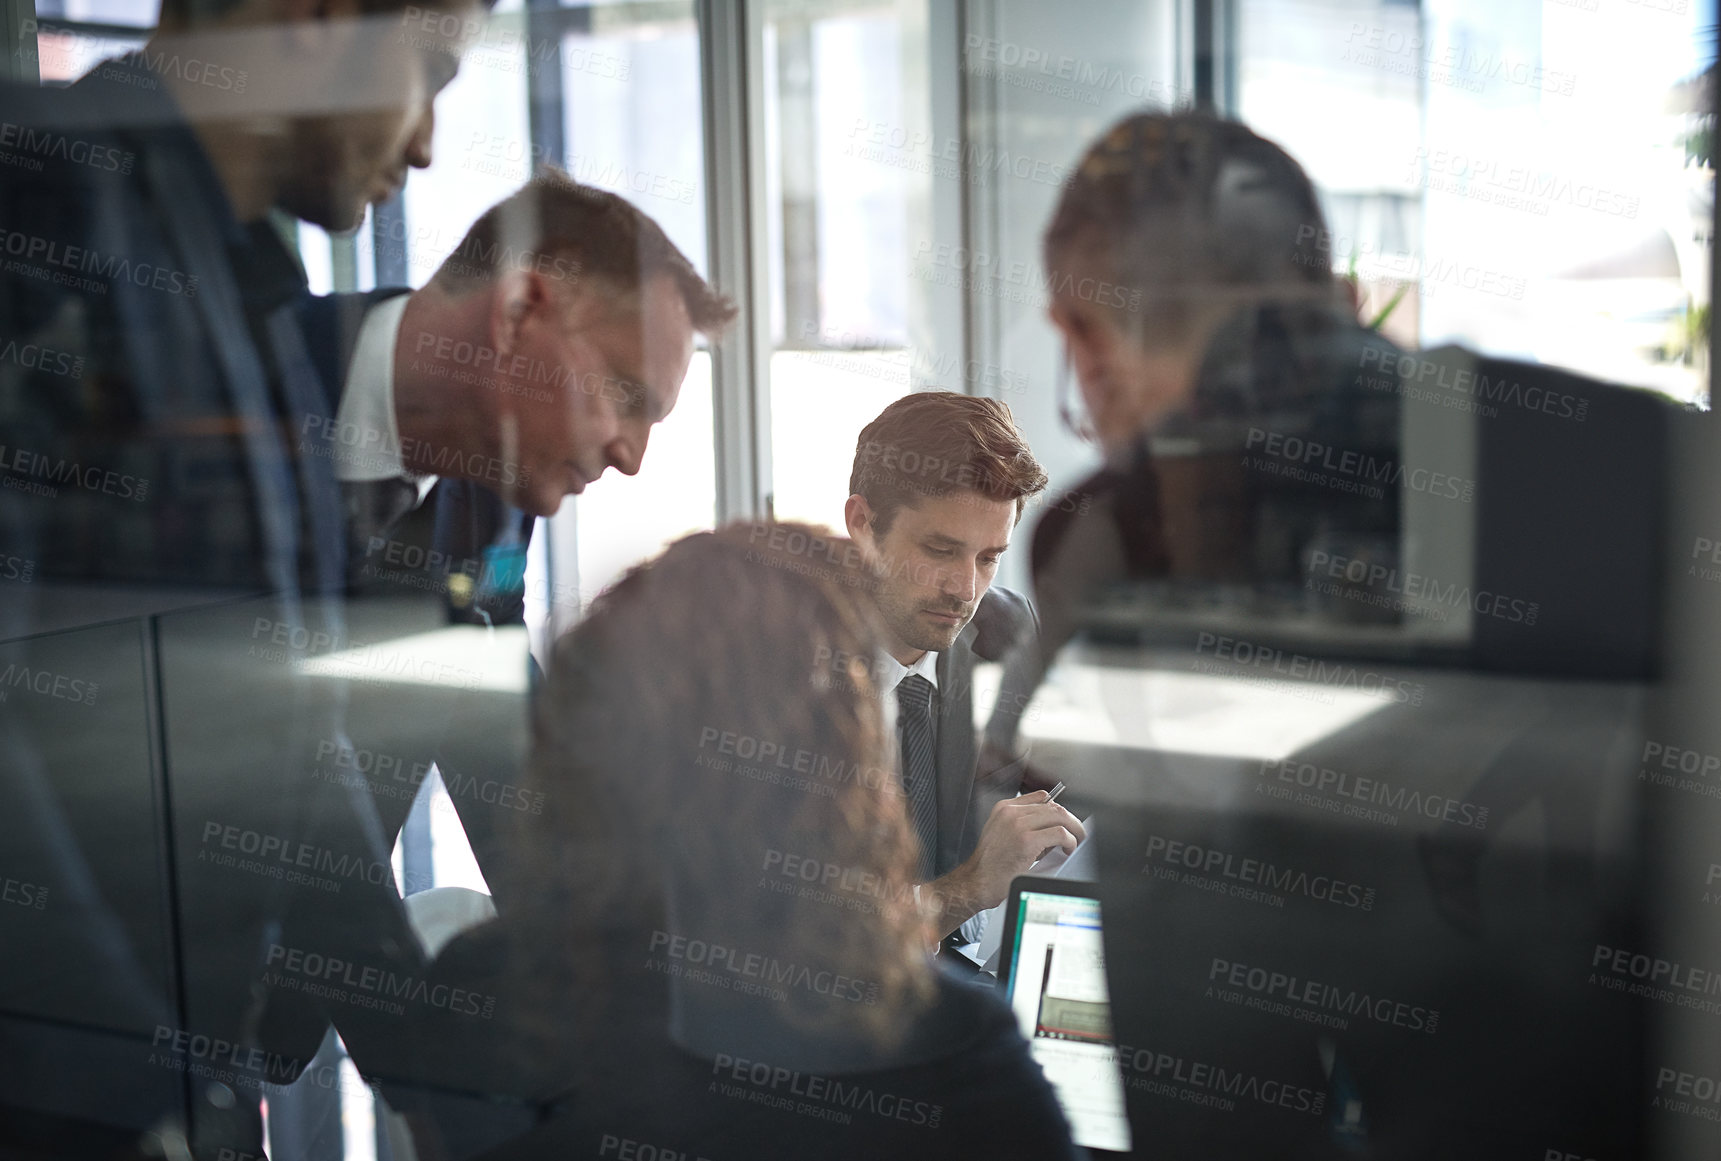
x: 1052, y: 975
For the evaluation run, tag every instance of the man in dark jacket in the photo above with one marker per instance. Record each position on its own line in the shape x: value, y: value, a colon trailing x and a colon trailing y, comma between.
x: 1348, y: 619
x: 184, y: 555
x: 938, y: 485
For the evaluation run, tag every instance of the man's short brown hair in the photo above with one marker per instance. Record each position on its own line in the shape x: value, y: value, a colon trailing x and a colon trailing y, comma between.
x: 933, y: 443
x: 575, y: 233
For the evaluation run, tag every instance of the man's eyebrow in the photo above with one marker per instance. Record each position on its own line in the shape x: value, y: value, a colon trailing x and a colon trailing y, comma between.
x: 443, y: 67
x: 641, y: 396
x: 944, y: 539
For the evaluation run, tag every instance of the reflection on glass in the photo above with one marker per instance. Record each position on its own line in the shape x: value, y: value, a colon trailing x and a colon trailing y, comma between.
x: 1537, y: 185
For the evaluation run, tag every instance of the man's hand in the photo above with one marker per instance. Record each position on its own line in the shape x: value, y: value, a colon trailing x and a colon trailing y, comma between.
x: 1017, y: 834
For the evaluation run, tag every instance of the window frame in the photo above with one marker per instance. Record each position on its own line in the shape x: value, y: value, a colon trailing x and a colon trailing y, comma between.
x: 951, y: 324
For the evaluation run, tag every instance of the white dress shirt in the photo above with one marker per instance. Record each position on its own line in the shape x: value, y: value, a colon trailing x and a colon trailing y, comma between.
x: 890, y: 673
x: 367, y: 403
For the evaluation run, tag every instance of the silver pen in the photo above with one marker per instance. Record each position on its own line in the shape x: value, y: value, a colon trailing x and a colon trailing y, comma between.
x: 1050, y: 798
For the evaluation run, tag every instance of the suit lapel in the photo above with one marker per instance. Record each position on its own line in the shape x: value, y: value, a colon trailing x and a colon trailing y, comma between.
x: 199, y: 251
x: 955, y: 748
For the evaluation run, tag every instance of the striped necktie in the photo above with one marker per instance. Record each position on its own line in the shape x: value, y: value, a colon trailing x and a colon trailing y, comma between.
x: 919, y: 765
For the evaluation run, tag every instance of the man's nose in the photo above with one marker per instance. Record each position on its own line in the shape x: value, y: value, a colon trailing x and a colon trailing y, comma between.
x: 961, y: 582
x: 418, y: 149
x: 627, y: 453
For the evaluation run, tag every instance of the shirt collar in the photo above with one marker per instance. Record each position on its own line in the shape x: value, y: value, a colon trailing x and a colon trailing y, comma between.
x: 367, y: 400
x: 891, y: 671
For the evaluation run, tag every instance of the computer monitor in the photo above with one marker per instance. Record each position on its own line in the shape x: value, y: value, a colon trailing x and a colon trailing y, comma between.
x: 1053, y: 976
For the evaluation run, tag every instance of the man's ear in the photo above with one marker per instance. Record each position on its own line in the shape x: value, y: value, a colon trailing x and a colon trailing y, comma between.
x: 857, y: 516
x: 515, y: 296
x: 1083, y: 334
x: 1069, y: 324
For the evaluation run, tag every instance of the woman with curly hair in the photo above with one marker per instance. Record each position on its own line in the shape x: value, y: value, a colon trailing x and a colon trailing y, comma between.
x: 718, y: 949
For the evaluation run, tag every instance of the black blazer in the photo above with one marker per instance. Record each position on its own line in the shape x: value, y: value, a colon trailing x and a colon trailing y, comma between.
x: 158, y: 357
x: 138, y: 274
x: 505, y: 1086
x: 1003, y: 619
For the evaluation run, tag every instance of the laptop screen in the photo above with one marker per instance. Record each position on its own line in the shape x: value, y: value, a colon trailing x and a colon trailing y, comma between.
x: 1055, y: 978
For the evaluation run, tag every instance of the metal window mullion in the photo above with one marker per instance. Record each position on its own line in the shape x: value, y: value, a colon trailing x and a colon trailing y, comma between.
x: 167, y: 853
x: 731, y: 43
x: 1225, y: 57
x: 344, y: 258
x: 982, y: 233
x: 940, y: 322
x: 1213, y: 43
x: 546, y: 115
x: 546, y: 126
x: 21, y: 59
x: 390, y: 262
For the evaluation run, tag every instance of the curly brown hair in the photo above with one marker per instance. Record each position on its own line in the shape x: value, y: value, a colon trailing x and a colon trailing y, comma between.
x: 726, y: 648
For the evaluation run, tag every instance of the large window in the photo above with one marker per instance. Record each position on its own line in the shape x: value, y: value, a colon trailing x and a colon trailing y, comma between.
x: 1535, y: 184
x: 846, y: 197
x: 1041, y: 86
x: 1531, y: 180
x: 631, y: 123
x: 72, y: 36
x: 1301, y: 83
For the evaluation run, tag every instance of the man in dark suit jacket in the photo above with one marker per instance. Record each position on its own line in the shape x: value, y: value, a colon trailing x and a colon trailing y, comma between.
x: 938, y: 486
x: 1293, y: 505
x: 152, y: 364
x: 498, y: 340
